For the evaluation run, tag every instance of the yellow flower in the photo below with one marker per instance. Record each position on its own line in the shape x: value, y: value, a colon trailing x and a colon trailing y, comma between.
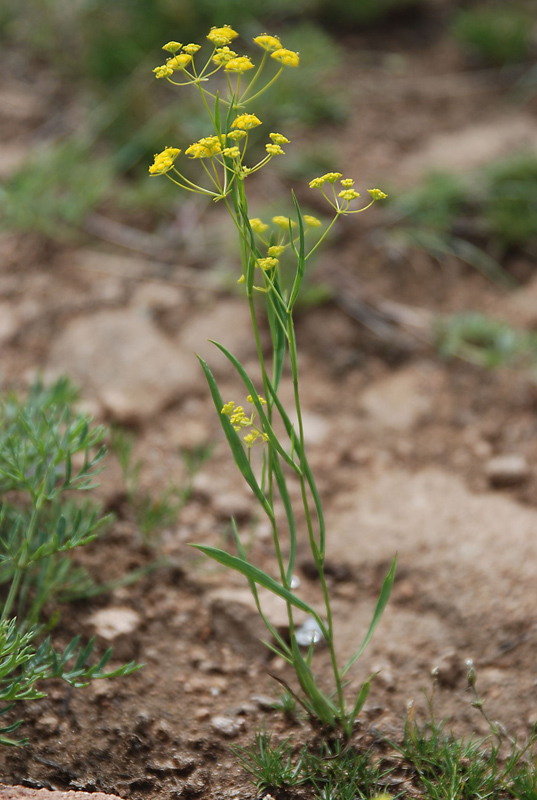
x: 349, y: 194
x: 277, y: 138
x: 228, y: 408
x: 163, y: 72
x: 283, y: 222
x: 231, y: 152
x: 267, y: 263
x: 276, y: 250
x: 257, y: 226
x: 164, y: 161
x: 223, y: 55
x: 286, y: 57
x: 222, y: 36
x: 347, y: 183
x: 246, y: 122
x: 206, y: 148
x: 172, y: 47
x: 274, y: 150
x: 237, y: 135
x: 311, y: 222
x: 240, y: 65
x: 239, y: 419
x: 376, y: 194
x: 261, y: 399
x: 267, y: 42
x: 330, y: 177
x: 179, y: 62
x: 191, y: 49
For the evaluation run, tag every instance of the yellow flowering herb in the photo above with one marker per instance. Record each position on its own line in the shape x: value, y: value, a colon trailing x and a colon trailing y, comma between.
x: 164, y: 161
x: 376, y: 194
x: 239, y: 65
x: 228, y: 408
x: 277, y: 138
x: 286, y: 57
x: 330, y: 177
x: 349, y: 194
x: 179, y: 62
x: 267, y: 263
x: 191, y: 49
x: 283, y: 222
x: 311, y: 222
x: 276, y: 250
x: 261, y: 399
x: 274, y: 150
x: 172, y: 47
x: 207, y: 147
x: 163, y: 72
x: 245, y: 122
x: 222, y: 36
x: 223, y: 55
x: 347, y: 183
x: 257, y: 226
x: 268, y: 43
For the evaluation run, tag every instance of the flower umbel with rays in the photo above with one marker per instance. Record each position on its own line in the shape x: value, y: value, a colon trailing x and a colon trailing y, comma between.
x: 274, y: 257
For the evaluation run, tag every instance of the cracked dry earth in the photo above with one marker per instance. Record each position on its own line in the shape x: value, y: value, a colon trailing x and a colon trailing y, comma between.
x: 435, y: 461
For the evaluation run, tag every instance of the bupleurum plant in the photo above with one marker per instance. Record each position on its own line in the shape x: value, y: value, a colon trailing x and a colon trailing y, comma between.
x: 273, y: 263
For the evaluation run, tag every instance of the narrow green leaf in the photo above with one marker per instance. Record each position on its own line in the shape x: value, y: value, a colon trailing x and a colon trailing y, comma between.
x: 286, y: 500
x: 322, y: 706
x: 379, y: 610
x: 234, y: 441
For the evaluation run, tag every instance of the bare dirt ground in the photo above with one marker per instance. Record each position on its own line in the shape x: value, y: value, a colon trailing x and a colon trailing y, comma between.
x: 401, y: 443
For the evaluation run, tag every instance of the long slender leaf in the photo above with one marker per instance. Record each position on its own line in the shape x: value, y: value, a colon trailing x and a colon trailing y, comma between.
x: 234, y: 441
x: 379, y: 610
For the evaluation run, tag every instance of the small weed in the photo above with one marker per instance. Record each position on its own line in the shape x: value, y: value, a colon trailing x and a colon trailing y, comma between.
x: 46, y: 450
x: 271, y: 766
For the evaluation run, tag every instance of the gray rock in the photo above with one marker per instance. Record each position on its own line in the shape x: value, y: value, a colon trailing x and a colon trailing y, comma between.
x: 227, y: 726
x: 109, y: 623
x: 507, y: 470
x: 121, y: 358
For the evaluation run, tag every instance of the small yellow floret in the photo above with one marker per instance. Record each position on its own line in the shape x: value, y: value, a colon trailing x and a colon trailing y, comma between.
x: 277, y: 138
x: 164, y: 161
x: 246, y: 122
x: 286, y: 57
x: 228, y: 408
x: 222, y: 36
x: 257, y: 226
x: 223, y: 55
x: 349, y: 194
x: 179, y: 62
x: 239, y: 65
x: 311, y: 222
x: 267, y: 263
x: 261, y: 399
x: 231, y: 152
x: 191, y: 49
x: 276, y: 250
x: 347, y: 183
x: 283, y: 222
x: 172, y: 47
x: 267, y: 42
x: 274, y: 150
x: 237, y: 135
x: 163, y: 72
x: 376, y: 194
x: 330, y: 177
x: 207, y: 147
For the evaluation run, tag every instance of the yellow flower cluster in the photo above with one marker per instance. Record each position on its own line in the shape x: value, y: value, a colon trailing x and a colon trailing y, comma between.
x: 257, y: 226
x: 283, y: 222
x: 163, y: 72
x: 276, y: 250
x: 277, y: 138
x: 268, y: 43
x: 207, y: 147
x: 311, y: 222
x: 330, y: 177
x: 223, y: 55
x: 240, y: 420
x: 376, y: 194
x: 349, y: 194
x: 164, y: 161
x: 172, y: 47
x: 222, y: 36
x: 267, y: 263
x: 179, y: 62
x: 286, y: 57
x: 245, y: 122
x: 231, y: 152
x: 239, y: 65
x: 274, y: 150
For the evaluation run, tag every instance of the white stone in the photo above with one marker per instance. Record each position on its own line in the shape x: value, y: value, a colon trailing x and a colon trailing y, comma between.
x: 109, y: 623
